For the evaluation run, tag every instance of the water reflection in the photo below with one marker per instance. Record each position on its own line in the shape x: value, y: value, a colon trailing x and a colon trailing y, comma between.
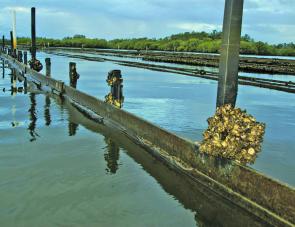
x: 47, y: 116
x: 3, y: 69
x: 111, y: 155
x: 72, y: 128
x: 33, y: 118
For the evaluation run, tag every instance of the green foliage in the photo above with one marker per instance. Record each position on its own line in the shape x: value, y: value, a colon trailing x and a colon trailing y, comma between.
x: 188, y: 41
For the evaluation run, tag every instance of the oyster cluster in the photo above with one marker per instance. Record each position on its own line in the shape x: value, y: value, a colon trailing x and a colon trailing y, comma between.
x: 233, y: 134
x: 110, y: 99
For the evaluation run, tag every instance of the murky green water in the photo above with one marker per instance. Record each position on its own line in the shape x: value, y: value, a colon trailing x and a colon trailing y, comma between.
x: 57, y: 168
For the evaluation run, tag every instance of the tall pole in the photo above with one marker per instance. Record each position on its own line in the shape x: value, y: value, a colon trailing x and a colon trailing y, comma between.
x: 33, y: 32
x: 229, y: 57
x: 14, y: 29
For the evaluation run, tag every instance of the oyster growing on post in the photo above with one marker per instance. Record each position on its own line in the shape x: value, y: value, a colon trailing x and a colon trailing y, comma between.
x: 233, y: 134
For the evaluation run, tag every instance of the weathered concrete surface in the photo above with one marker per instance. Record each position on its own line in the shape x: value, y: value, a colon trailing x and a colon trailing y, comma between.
x: 270, y: 200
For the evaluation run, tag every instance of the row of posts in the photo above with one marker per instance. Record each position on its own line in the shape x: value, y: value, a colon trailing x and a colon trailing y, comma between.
x: 12, y: 51
x: 228, y: 65
x: 114, y: 79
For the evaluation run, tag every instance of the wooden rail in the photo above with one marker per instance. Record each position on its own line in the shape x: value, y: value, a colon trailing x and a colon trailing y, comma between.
x: 268, y: 199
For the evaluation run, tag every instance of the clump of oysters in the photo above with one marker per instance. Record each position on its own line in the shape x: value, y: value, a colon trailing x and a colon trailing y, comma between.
x: 233, y: 134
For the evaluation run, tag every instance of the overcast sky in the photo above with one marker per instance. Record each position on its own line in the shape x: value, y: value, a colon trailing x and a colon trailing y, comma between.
x: 271, y: 21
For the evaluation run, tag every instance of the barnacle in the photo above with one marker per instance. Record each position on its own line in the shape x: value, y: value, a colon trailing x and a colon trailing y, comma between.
x: 233, y: 134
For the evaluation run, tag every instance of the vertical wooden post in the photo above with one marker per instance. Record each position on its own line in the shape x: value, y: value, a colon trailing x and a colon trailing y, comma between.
x: 25, y: 57
x: 33, y: 32
x: 48, y: 67
x: 229, y: 57
x: 20, y: 56
x: 11, y: 43
x: 74, y: 76
x: 114, y: 80
x: 14, y: 53
x: 25, y: 85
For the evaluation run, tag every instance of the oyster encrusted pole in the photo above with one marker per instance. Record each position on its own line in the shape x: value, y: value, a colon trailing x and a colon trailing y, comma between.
x: 229, y: 57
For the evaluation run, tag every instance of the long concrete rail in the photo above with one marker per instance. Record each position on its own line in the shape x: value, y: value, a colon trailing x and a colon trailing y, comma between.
x: 268, y: 199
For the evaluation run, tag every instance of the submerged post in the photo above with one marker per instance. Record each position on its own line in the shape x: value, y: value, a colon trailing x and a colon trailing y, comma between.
x: 229, y: 57
x: 48, y: 67
x: 25, y: 57
x: 74, y: 76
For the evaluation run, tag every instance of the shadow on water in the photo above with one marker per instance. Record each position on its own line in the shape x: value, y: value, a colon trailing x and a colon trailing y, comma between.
x: 111, y: 155
x: 47, y: 116
x: 3, y: 69
x: 33, y: 118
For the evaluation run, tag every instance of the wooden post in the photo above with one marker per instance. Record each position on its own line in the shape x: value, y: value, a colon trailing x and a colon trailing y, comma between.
x: 114, y: 80
x: 11, y: 43
x: 33, y: 32
x: 25, y: 85
x: 14, y: 53
x: 48, y: 67
x: 74, y: 76
x: 25, y: 57
x: 229, y: 57
x: 20, y: 56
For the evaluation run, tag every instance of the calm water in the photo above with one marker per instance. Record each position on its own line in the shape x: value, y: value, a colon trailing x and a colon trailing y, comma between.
x: 60, y: 169
x: 208, y: 69
x: 182, y: 104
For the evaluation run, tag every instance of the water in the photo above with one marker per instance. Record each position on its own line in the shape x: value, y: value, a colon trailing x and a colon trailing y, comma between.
x: 182, y: 105
x: 281, y: 77
x: 60, y: 169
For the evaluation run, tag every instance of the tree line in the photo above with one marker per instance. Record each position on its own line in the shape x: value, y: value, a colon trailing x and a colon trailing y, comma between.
x: 189, y: 41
